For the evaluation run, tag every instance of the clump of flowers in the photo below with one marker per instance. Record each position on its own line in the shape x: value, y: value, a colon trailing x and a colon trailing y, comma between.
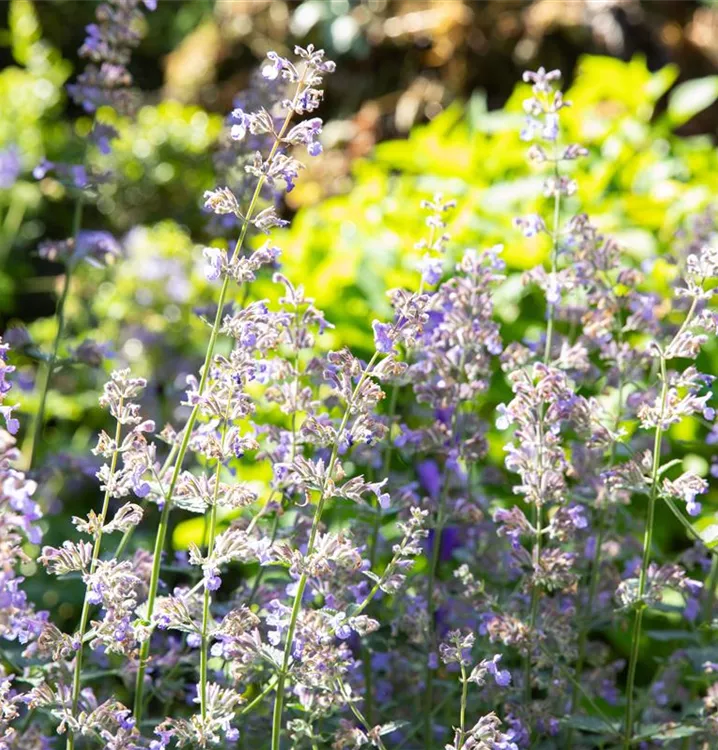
x: 378, y: 585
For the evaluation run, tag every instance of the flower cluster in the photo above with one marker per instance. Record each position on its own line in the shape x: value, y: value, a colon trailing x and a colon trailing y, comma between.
x: 106, y: 81
x: 430, y: 542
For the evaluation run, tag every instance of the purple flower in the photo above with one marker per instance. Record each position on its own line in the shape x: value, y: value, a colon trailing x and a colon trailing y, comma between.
x: 240, y: 123
x: 12, y: 424
x: 384, y: 498
x: 9, y: 167
x: 214, y: 257
x: 432, y: 270
x: 503, y: 420
x: 692, y: 609
x: 502, y: 677
x: 578, y: 519
x: 273, y: 68
x: 382, y: 337
x: 42, y: 169
x: 231, y: 734
x: 550, y: 128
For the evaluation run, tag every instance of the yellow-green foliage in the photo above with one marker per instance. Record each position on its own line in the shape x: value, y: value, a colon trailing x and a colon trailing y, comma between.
x: 639, y: 184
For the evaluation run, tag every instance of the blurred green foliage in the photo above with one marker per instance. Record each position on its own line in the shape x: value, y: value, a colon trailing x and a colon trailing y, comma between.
x: 640, y: 183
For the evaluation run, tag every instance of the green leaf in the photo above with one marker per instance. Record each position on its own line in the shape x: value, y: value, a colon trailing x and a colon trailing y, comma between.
x: 672, y: 635
x: 592, y: 724
x: 690, y: 98
x: 667, y: 732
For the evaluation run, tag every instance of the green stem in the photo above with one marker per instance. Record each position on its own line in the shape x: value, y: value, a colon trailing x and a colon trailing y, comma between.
x: 207, y: 600
x: 297, y: 605
x: 647, y: 543
x: 358, y: 714
x: 710, y: 592
x: 536, y: 562
x: 538, y: 516
x: 429, y: 676
x: 164, y: 518
x: 687, y: 524
x: 594, y: 578
x: 648, y: 539
x: 554, y: 255
x: 259, y: 698
x: 260, y: 572
x: 373, y: 551
x: 11, y: 225
x: 39, y: 421
x: 462, y: 713
x: 204, y: 653
x: 85, y: 614
x: 374, y: 544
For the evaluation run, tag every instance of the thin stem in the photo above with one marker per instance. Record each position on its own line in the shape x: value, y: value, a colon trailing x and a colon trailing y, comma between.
x: 554, y: 254
x: 260, y: 572
x: 259, y: 698
x: 538, y: 515
x: 647, y: 542
x: 49, y: 367
x: 375, y: 588
x: 127, y: 536
x: 648, y: 539
x: 536, y: 561
x: 595, y: 573
x: 204, y: 652
x: 462, y: 712
x: 358, y: 714
x: 85, y: 614
x: 164, y: 518
x: 301, y: 585
x: 687, y: 524
x: 275, y: 522
x: 429, y: 675
x: 374, y: 549
x: 374, y: 544
x: 11, y: 225
x: 710, y: 592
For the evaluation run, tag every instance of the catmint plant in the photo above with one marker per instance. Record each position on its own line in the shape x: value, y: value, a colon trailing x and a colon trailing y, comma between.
x: 105, y: 82
x: 434, y: 539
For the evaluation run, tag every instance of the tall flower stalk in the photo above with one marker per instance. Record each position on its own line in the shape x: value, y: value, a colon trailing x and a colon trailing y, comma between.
x: 543, y: 111
x: 119, y: 394
x: 277, y: 166
x: 302, y: 583
x: 48, y: 367
x: 668, y: 409
x: 106, y: 81
x: 320, y: 641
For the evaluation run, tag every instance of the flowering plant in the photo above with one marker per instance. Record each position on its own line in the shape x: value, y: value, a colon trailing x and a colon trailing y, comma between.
x: 379, y: 587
